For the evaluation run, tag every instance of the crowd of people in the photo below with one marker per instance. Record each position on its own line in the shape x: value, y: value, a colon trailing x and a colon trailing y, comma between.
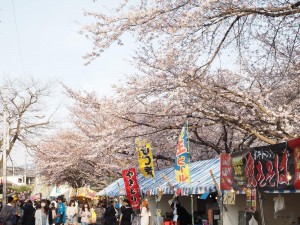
x: 59, y: 212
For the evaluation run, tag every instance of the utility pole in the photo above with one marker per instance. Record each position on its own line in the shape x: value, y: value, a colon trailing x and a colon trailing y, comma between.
x: 5, y: 145
x: 25, y: 169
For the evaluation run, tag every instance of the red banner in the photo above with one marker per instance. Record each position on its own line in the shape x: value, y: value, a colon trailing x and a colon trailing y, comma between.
x: 132, y: 187
x: 295, y: 146
x: 226, y: 172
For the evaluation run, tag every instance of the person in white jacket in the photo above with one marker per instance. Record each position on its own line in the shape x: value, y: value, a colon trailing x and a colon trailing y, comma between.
x: 41, y: 214
x: 145, y: 214
x: 72, y: 212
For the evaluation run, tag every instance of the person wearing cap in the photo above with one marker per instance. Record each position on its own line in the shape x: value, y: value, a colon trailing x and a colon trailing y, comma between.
x: 61, y: 212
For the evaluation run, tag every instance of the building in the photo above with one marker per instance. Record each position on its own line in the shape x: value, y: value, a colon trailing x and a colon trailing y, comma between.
x: 18, y: 176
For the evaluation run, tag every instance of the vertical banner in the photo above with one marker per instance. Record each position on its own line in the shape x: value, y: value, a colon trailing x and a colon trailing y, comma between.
x: 295, y: 146
x: 145, y: 158
x: 182, y: 160
x: 132, y: 188
x: 226, y: 172
x: 239, y: 177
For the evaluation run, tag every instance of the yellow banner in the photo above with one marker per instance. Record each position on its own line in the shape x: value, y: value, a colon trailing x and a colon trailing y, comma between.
x: 145, y: 158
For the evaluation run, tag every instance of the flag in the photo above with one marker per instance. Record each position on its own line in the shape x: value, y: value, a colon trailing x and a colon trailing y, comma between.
x: 182, y: 159
x: 132, y: 187
x: 145, y: 158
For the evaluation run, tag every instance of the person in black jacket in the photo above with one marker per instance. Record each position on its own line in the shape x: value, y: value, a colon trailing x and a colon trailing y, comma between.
x: 126, y: 213
x: 183, y: 216
x: 110, y: 214
x: 28, y: 216
x: 6, y: 214
x: 52, y: 214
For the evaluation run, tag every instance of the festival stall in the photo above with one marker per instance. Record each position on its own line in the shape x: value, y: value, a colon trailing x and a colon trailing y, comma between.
x: 184, y: 184
x: 269, y: 175
x: 202, y: 189
x: 86, y: 192
x: 61, y: 190
x: 41, y: 189
x: 269, y: 179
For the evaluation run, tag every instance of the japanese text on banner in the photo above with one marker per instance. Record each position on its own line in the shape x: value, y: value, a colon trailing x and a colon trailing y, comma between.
x: 272, y: 167
x: 182, y: 159
x: 132, y: 188
x: 145, y: 158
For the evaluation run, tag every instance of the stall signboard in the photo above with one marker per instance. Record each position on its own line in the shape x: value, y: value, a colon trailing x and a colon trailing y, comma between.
x: 132, y: 188
x: 225, y: 171
x: 272, y: 167
x: 145, y: 158
x: 182, y: 160
x: 229, y: 198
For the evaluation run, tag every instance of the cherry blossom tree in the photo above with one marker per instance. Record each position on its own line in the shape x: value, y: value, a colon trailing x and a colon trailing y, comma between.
x: 228, y: 68
x: 70, y: 157
x: 225, y: 112
x: 200, y: 32
x: 180, y: 42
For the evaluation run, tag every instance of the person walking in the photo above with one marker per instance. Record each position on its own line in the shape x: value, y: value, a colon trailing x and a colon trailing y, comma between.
x: 126, y: 213
x: 145, y: 213
x: 20, y: 212
x: 93, y: 217
x: 42, y: 214
x: 28, y: 215
x: 99, y: 210
x: 72, y: 213
x: 7, y: 212
x: 85, y: 214
x: 61, y: 212
x: 52, y: 214
x: 110, y: 214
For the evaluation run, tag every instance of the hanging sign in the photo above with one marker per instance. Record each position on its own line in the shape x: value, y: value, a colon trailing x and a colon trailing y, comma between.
x: 225, y: 171
x: 229, y: 198
x: 182, y: 160
x: 295, y: 146
x: 132, y: 188
x: 145, y: 158
x: 251, y: 200
x: 273, y: 167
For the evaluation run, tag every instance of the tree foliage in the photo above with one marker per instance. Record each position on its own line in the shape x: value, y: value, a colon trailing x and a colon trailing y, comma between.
x: 230, y: 68
x: 26, y: 107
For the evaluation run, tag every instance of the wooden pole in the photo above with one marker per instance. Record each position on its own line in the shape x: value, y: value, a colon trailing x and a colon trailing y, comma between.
x: 220, y: 196
x: 192, y: 199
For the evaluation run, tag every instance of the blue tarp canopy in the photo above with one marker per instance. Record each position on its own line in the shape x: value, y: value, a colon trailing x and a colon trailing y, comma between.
x: 201, y: 181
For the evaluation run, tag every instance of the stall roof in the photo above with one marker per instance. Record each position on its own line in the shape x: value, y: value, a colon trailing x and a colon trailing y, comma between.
x: 201, y: 181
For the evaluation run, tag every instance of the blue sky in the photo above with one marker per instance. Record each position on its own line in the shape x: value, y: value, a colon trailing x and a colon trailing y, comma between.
x: 52, y: 48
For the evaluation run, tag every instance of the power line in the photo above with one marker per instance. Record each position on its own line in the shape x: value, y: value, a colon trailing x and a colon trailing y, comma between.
x: 18, y: 37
